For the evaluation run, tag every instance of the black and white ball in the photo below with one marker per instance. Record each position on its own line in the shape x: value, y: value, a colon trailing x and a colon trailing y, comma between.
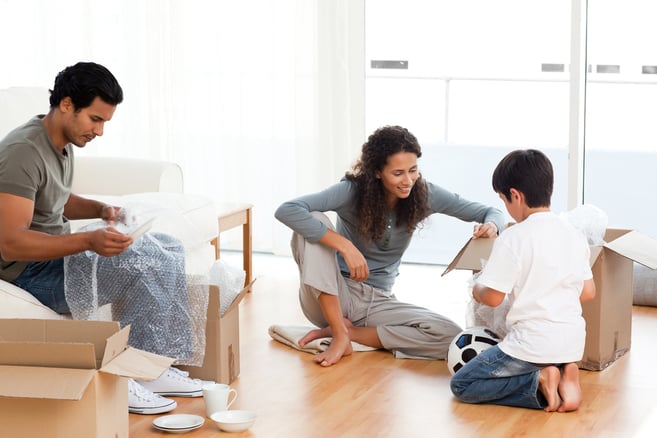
x: 467, y: 344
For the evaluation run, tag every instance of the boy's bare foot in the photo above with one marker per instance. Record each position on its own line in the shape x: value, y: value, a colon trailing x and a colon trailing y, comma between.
x: 569, y: 389
x: 548, y: 384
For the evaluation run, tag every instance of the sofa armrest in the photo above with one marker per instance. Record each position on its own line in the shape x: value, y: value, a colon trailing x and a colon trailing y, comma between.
x: 121, y: 176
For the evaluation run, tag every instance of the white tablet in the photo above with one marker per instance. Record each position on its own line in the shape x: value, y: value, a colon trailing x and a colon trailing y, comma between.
x: 137, y: 232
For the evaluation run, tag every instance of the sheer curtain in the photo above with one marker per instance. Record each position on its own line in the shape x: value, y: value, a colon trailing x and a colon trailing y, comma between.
x: 257, y: 100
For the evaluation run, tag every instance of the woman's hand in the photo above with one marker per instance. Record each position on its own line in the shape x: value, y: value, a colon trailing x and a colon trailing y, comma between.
x: 488, y: 229
x: 357, y: 264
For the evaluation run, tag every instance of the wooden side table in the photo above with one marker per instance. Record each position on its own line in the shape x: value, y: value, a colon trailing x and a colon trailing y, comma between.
x: 230, y: 216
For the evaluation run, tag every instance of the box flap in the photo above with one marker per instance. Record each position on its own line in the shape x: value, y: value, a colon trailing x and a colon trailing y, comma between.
x: 48, y: 354
x: 52, y: 330
x: 115, y: 344
x: 595, y: 253
x: 41, y: 382
x: 239, y: 297
x: 137, y: 364
x: 470, y: 256
x: 636, y: 246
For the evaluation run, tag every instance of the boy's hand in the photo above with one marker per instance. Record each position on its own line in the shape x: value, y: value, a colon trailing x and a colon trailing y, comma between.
x: 488, y: 229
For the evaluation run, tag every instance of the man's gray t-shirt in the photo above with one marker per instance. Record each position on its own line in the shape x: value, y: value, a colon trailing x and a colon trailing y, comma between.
x: 32, y: 168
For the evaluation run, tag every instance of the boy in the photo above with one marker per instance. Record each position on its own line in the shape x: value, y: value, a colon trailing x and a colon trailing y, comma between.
x: 542, y: 263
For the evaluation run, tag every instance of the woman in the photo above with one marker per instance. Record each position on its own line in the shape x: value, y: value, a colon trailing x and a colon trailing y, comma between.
x: 379, y: 204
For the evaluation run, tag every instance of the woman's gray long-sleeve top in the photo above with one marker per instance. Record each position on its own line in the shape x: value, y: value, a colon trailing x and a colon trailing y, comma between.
x: 383, y: 256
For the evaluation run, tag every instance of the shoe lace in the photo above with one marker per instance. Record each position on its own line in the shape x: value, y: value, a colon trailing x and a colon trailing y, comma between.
x: 180, y: 375
x: 140, y: 392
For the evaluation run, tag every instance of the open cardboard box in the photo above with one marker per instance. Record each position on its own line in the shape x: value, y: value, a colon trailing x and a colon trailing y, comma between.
x: 67, y: 378
x: 609, y: 315
x: 221, y: 362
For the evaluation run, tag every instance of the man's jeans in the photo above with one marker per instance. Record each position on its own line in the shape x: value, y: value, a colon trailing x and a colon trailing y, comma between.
x: 45, y: 281
x: 497, y: 378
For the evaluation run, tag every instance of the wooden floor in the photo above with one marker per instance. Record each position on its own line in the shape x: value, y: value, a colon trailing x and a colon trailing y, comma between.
x: 371, y: 394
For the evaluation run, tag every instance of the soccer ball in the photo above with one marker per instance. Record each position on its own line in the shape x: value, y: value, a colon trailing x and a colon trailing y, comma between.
x: 467, y: 344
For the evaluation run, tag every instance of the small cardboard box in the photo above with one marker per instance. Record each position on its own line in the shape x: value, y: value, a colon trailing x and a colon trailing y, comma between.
x: 221, y: 362
x: 67, y: 378
x: 609, y: 315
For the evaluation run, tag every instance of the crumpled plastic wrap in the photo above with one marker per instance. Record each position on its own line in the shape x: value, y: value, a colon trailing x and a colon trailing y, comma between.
x: 230, y: 281
x: 481, y: 315
x: 493, y: 318
x: 590, y: 220
x: 148, y: 288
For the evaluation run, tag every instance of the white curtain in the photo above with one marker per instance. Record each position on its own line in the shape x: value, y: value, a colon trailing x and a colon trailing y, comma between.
x: 258, y: 100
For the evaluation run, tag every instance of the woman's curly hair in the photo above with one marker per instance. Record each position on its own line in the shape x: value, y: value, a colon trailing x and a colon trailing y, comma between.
x: 371, y: 196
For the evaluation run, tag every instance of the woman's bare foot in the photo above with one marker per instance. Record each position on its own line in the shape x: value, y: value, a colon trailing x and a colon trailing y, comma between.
x: 569, y: 389
x: 548, y: 384
x: 314, y: 334
x: 340, y: 347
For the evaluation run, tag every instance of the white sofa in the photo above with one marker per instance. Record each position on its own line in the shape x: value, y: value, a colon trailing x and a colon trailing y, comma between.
x: 141, y: 182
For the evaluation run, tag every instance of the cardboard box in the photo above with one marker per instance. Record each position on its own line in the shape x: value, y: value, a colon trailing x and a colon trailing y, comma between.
x: 609, y: 315
x: 66, y: 378
x: 221, y: 362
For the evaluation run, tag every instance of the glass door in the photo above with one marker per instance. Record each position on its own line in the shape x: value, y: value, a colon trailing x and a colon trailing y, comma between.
x: 472, y: 80
x: 621, y: 112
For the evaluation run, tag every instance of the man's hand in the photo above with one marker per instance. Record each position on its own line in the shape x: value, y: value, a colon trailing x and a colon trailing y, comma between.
x: 108, y: 241
x: 109, y: 213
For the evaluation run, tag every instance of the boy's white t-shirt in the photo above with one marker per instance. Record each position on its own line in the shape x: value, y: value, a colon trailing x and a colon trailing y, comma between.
x: 541, y: 263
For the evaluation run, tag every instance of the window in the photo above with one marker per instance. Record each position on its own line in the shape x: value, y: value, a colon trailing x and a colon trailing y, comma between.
x: 472, y: 80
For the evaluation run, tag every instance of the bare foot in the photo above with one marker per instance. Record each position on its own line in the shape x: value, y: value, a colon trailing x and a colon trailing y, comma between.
x: 315, y: 334
x: 548, y: 384
x: 569, y: 389
x: 340, y: 347
x: 325, y: 332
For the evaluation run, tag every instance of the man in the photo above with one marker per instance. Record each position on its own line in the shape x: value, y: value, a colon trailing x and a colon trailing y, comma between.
x: 36, y: 204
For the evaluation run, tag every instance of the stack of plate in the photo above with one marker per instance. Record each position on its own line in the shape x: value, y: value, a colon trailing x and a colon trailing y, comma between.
x: 178, y: 423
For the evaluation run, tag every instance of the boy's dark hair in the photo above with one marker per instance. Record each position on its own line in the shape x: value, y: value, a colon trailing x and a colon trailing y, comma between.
x: 529, y: 171
x: 83, y: 82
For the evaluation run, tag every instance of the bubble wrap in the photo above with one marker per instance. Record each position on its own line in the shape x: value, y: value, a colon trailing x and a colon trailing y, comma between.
x: 230, y: 281
x: 147, y: 288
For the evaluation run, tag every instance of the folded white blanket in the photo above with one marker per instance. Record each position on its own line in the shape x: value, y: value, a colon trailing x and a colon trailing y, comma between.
x: 290, y: 335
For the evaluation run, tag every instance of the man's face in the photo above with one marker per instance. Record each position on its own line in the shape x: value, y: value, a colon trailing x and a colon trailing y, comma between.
x: 84, y: 125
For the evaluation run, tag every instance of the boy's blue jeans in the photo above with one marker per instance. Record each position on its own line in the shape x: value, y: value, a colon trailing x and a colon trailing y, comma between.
x: 497, y: 378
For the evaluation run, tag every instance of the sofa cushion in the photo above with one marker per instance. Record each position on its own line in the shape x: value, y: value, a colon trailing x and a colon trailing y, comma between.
x: 17, y: 303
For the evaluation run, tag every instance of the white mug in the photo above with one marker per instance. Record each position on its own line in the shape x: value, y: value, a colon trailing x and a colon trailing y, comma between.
x: 216, y: 396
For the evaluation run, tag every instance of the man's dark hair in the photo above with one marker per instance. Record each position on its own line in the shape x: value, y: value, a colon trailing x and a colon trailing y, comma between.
x: 529, y: 171
x: 83, y: 82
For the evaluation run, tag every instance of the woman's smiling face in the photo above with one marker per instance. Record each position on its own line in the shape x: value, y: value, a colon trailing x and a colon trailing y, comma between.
x: 398, y: 176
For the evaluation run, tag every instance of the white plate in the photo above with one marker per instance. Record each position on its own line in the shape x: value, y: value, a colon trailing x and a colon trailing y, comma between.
x: 137, y: 232
x: 178, y: 423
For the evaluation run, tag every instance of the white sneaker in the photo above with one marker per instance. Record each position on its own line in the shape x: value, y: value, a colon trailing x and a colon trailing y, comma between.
x: 143, y: 401
x: 175, y: 383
